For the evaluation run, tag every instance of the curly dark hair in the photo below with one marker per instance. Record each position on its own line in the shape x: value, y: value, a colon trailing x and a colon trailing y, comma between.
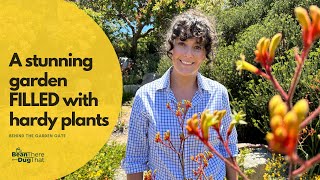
x: 191, y: 24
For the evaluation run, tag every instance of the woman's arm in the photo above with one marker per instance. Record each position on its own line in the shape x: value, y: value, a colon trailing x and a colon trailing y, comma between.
x: 135, y: 176
x: 231, y: 173
x: 137, y: 151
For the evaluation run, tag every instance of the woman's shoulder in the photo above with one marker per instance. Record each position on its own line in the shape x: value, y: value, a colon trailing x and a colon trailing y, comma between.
x: 150, y: 87
x: 211, y: 84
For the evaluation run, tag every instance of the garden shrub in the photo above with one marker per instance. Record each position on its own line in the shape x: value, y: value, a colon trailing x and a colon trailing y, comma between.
x: 163, y: 65
x: 102, y: 166
x: 249, y: 92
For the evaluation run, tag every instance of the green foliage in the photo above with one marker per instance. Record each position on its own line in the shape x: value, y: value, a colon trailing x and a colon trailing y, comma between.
x: 235, y: 19
x: 127, y: 97
x: 242, y: 25
x: 240, y: 160
x: 276, y: 167
x: 102, y: 166
x: 146, y: 63
x: 131, y: 78
x: 311, y: 147
x: 164, y: 64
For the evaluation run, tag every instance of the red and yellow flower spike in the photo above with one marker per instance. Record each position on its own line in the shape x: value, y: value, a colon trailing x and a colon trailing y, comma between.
x: 167, y: 135
x: 303, y: 18
x: 310, y: 29
x: 237, y: 118
x: 285, y: 125
x: 207, y: 120
x: 168, y: 106
x: 178, y: 112
x: 192, y: 125
x: 218, y: 115
x: 188, y: 104
x: 157, y: 137
x: 211, y: 120
x: 266, y: 50
x: 261, y: 52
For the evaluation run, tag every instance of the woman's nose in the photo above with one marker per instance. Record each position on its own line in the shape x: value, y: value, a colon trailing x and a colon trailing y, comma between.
x: 188, y: 52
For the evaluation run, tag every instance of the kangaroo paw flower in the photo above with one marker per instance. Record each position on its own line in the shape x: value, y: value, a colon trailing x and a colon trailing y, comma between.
x: 285, y: 125
x: 303, y: 17
x: 192, y: 125
x: 237, y: 118
x: 273, y: 46
x: 244, y: 65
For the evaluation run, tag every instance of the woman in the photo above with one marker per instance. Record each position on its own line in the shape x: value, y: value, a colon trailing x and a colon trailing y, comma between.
x: 189, y: 43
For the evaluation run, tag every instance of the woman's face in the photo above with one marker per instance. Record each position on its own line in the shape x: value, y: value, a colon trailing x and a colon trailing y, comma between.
x: 187, y: 56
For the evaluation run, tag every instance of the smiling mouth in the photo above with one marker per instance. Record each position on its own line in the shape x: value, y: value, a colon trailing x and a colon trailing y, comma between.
x: 186, y: 63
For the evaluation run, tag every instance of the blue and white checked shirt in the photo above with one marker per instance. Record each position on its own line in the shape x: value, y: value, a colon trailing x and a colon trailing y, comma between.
x: 149, y: 115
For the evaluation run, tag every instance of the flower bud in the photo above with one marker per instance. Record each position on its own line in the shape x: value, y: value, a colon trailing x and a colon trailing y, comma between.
x: 192, y: 125
x: 257, y: 54
x: 178, y: 112
x: 281, y: 109
x: 192, y: 158
x: 274, y: 101
x: 315, y: 13
x: 269, y: 137
x: 293, y: 134
x: 188, y: 104
x: 275, y: 122
x: 273, y: 45
x: 277, y: 146
x: 260, y: 45
x: 205, y: 163
x: 244, y: 65
x: 265, y: 45
x: 157, y: 138
x: 195, y: 116
x: 168, y: 106
x: 280, y: 134
x: 182, y: 138
x: 301, y: 108
x: 209, y: 155
x: 303, y: 17
x: 167, y: 135
x: 216, y: 123
x: 195, y: 172
x: 291, y: 120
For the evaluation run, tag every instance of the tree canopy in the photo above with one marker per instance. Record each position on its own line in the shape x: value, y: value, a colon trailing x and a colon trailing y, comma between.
x: 127, y: 22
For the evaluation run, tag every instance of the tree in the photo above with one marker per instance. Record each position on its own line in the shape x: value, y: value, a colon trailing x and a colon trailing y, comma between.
x: 134, y: 20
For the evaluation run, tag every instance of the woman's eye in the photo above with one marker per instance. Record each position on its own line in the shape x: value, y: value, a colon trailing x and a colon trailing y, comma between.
x: 181, y: 43
x: 198, y: 47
